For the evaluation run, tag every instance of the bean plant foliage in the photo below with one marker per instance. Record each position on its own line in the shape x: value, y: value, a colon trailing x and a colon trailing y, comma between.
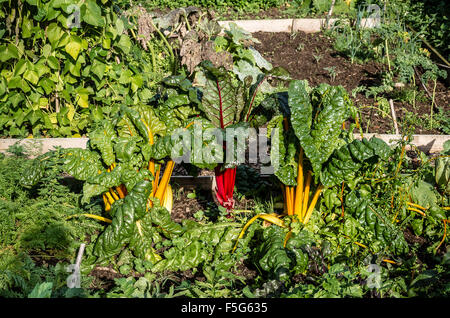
x: 66, y: 63
x: 345, y: 205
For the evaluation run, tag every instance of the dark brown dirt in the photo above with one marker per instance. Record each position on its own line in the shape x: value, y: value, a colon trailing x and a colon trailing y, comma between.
x: 184, y: 207
x: 411, y: 238
x: 104, y: 277
x: 307, y: 55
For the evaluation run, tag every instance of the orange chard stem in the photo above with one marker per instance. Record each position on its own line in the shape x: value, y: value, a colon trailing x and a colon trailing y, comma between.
x: 124, y: 189
x: 306, y: 194
x: 114, y: 195
x: 151, y: 167
x: 291, y: 190
x: 120, y: 191
x: 165, y: 180
x: 288, y: 200
x: 155, y: 182
x: 299, y: 188
x: 313, y: 203
x: 445, y: 234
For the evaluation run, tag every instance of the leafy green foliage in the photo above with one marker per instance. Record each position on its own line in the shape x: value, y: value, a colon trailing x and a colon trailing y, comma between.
x: 379, y: 231
x: 133, y: 207
x: 238, y: 4
x: 278, y: 260
x: 316, y: 116
x: 33, y: 226
x: 65, y: 65
x: 52, y: 197
x: 345, y: 161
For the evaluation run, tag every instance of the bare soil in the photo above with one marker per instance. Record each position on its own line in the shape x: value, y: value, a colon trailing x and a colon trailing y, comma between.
x: 307, y: 55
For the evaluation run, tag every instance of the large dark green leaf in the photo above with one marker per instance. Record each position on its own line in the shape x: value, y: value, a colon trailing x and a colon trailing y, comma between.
x: 347, y: 160
x: 276, y: 259
x: 82, y: 164
x: 120, y: 231
x: 283, y: 151
x: 379, y: 232
x: 102, y: 138
x: 317, y: 116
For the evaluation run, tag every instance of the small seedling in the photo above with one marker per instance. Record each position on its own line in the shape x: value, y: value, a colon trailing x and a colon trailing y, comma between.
x: 331, y: 72
x: 192, y: 195
x: 317, y: 58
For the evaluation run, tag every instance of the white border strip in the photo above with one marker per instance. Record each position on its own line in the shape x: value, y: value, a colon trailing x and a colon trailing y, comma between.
x: 289, y: 25
x: 37, y: 146
x: 426, y: 143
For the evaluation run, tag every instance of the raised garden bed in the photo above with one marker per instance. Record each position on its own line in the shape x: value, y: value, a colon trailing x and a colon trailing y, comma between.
x: 299, y: 52
x: 37, y: 146
x: 333, y: 210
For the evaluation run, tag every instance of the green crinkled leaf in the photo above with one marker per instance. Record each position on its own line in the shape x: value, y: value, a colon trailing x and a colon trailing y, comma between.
x: 316, y: 117
x: 176, y: 100
x: 32, y: 173
x: 82, y: 164
x: 272, y: 256
x: 287, y: 172
x: 100, y: 183
x: 198, y: 244
x: 347, y: 160
x: 102, y: 138
x: 182, y: 259
x: 295, y: 246
x: 126, y: 148
x: 379, y: 232
x: 91, y: 190
x: 126, y: 213
x: 125, y: 128
x: 161, y: 217
x: 145, y: 121
x: 130, y: 177
x: 178, y: 81
x: 282, y: 152
x: 144, y: 236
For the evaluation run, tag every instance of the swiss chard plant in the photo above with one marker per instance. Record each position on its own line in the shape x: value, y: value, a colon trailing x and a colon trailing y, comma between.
x: 230, y: 74
x: 308, y: 138
x: 228, y: 103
